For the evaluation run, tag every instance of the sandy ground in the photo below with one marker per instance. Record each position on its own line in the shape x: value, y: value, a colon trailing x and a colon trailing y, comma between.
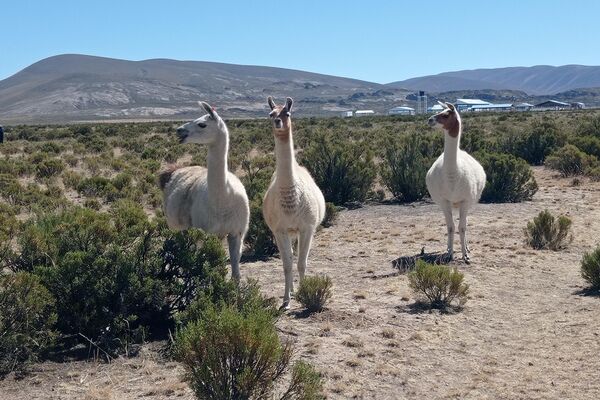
x: 527, y: 331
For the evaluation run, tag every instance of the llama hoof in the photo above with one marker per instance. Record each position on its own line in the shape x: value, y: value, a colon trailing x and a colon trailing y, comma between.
x: 467, y: 260
x: 285, y: 306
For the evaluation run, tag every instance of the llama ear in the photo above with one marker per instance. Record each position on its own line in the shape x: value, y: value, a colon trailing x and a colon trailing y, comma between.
x: 211, y: 111
x: 288, y: 104
x: 450, y: 106
x: 442, y: 104
x: 271, y: 102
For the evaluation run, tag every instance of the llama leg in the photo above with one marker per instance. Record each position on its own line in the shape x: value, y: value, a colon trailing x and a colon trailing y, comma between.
x: 304, y: 243
x: 447, y: 209
x: 285, y: 250
x: 235, y: 253
x: 462, y: 230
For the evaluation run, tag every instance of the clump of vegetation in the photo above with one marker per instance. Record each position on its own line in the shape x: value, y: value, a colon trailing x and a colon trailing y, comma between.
x: 571, y: 161
x: 233, y: 354
x: 344, y: 171
x: 26, y: 320
x: 117, y: 277
x: 404, y: 169
x: 534, y: 143
x: 314, y: 292
x: 549, y: 232
x: 590, y: 268
x: 509, y: 179
x: 331, y: 214
x: 438, y: 284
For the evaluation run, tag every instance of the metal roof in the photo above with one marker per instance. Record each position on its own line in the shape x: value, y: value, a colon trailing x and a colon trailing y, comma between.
x: 471, y: 102
x: 489, y: 105
x: 402, y: 108
x: 553, y: 102
x: 523, y: 105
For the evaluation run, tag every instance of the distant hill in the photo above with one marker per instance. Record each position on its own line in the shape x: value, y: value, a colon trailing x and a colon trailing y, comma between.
x: 79, y: 87
x: 538, y: 80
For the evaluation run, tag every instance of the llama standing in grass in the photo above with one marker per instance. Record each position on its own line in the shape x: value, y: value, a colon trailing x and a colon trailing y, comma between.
x: 293, y: 206
x: 455, y: 180
x: 212, y: 199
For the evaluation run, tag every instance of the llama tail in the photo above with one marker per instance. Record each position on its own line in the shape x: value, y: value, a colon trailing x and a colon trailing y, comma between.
x: 165, y: 176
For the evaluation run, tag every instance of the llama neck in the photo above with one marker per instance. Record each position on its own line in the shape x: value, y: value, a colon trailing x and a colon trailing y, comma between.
x: 451, y: 146
x: 285, y: 160
x: 216, y: 162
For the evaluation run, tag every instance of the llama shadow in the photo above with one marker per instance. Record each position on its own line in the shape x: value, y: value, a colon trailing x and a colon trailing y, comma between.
x: 407, y: 263
x: 421, y: 307
x: 587, y: 292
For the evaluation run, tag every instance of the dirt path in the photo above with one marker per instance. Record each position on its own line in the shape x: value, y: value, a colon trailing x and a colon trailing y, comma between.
x: 525, y: 333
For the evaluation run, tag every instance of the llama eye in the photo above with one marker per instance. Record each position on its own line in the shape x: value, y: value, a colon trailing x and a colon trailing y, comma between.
x: 201, y: 124
x: 288, y: 113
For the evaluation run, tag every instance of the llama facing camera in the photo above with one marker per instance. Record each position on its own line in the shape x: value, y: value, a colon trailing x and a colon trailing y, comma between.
x: 293, y: 206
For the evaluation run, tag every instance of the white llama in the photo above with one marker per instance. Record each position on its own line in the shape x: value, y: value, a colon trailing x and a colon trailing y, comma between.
x: 455, y: 180
x: 212, y: 199
x: 293, y: 206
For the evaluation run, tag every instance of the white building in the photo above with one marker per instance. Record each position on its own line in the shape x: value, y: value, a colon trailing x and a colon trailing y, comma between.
x: 346, y: 114
x: 523, y: 106
x: 364, y: 113
x: 465, y: 104
x: 401, y: 110
x: 436, y: 108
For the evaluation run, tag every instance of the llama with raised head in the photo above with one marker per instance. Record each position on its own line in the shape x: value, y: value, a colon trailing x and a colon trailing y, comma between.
x: 293, y: 206
x: 212, y: 198
x: 455, y: 180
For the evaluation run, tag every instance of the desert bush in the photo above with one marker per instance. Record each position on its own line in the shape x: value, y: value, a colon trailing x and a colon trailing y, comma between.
x: 118, y: 276
x: 314, y: 292
x: 343, y: 170
x: 438, y: 284
x: 49, y: 167
x: 590, y: 268
x: 548, y: 232
x: 535, y: 143
x: 570, y: 161
x: 26, y: 320
x: 588, y: 144
x: 331, y: 214
x: 259, y: 239
x: 230, y: 354
x: 509, y: 179
x: 404, y: 168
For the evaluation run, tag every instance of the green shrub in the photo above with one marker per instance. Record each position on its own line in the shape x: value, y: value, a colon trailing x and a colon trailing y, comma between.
x: 548, y: 232
x: 259, y: 239
x: 571, y: 161
x: 404, y: 168
x: 342, y: 169
x: 117, y: 277
x: 509, y: 179
x: 588, y: 144
x: 314, y: 292
x: 590, y: 268
x: 535, y: 144
x: 26, y: 320
x: 230, y: 354
x: 438, y: 284
x: 331, y: 214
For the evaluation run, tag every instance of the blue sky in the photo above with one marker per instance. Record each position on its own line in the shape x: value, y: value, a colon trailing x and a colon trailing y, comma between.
x: 379, y: 41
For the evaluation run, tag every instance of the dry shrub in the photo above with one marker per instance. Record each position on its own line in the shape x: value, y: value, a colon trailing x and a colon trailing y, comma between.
x: 438, y: 284
x: 548, y: 232
x: 314, y: 292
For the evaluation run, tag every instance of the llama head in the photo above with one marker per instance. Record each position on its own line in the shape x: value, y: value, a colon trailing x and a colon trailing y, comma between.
x: 448, y: 120
x: 204, y: 130
x: 281, y: 117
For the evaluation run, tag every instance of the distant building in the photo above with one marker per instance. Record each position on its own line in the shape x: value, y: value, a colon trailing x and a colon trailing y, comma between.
x: 421, y: 102
x: 364, y: 113
x: 552, y: 105
x: 347, y: 114
x: 490, y: 107
x: 436, y: 108
x: 522, y: 107
x: 401, y: 110
x: 465, y: 104
x: 578, y: 106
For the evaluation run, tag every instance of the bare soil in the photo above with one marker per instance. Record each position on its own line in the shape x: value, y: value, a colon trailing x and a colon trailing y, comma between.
x: 528, y: 330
